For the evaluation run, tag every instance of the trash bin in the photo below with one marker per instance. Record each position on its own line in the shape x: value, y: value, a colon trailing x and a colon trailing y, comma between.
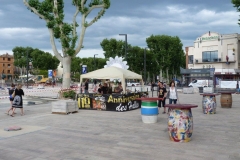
x: 200, y: 89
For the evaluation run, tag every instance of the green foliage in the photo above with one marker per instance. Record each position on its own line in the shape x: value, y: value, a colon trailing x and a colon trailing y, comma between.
x: 40, y: 59
x: 63, y: 31
x: 113, y: 48
x: 76, y: 77
x: 43, y: 72
x: 167, y: 51
x: 76, y: 61
x: 236, y: 4
x: 69, y: 94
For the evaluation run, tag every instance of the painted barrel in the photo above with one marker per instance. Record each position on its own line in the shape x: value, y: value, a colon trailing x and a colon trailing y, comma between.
x: 209, y: 104
x: 149, y: 111
x: 226, y: 100
x: 180, y: 125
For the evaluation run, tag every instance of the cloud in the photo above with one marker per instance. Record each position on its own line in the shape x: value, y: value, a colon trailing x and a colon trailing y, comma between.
x: 176, y: 9
x: 1, y: 13
x: 23, y: 33
x: 139, y: 19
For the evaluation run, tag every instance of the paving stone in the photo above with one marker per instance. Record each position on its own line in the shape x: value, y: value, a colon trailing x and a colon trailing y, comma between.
x: 103, y: 135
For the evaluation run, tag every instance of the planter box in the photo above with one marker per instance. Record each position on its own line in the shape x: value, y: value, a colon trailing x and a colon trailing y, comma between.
x: 64, y: 106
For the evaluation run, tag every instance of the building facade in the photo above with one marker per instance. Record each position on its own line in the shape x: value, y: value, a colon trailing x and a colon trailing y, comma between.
x: 7, y: 66
x: 213, y: 53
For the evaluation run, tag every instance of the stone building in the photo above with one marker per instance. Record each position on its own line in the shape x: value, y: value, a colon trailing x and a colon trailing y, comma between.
x: 7, y: 66
x: 213, y: 55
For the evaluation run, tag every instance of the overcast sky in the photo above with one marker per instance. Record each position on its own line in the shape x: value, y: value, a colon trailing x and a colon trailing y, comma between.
x: 139, y: 19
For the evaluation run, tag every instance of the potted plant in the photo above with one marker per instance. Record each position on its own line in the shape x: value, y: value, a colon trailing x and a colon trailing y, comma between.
x: 66, y: 104
x: 69, y: 94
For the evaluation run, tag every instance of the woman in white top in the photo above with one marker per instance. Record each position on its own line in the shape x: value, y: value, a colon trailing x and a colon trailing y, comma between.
x: 172, y: 93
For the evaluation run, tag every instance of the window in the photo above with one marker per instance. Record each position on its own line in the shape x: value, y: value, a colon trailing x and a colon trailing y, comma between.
x: 9, y: 65
x: 3, y: 64
x: 190, y: 59
x: 3, y: 58
x: 9, y: 71
x: 210, y: 56
x: 9, y: 59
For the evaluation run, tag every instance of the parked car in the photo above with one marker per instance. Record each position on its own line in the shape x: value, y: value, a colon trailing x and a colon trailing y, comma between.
x: 201, y: 83
x: 132, y: 84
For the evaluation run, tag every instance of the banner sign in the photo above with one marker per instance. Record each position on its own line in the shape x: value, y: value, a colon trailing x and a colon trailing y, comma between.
x: 110, y: 102
x: 84, y: 69
x: 50, y: 73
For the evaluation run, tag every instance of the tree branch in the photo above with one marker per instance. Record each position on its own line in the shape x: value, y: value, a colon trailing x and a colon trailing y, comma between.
x: 79, y: 46
x: 50, y: 31
x: 59, y: 25
x: 74, y: 21
x: 93, y: 7
x: 97, y: 17
x: 34, y: 10
x: 82, y: 4
x: 54, y: 48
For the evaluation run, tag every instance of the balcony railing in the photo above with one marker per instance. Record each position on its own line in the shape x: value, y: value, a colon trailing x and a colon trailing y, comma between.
x: 216, y: 60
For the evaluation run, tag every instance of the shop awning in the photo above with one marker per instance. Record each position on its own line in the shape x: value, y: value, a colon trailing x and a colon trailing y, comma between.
x: 224, y: 71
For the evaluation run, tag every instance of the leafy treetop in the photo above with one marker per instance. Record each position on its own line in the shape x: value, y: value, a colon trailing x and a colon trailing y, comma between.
x: 52, y: 11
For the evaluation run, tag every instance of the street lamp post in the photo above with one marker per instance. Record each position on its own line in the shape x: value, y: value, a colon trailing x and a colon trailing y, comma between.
x: 27, y: 69
x: 95, y: 61
x: 125, y: 45
x: 145, y: 64
x: 80, y: 74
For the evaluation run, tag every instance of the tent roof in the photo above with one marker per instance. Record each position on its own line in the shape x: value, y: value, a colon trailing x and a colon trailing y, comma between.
x: 111, y: 72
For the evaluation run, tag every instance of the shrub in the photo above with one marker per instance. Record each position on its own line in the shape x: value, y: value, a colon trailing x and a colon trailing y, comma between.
x: 69, y: 94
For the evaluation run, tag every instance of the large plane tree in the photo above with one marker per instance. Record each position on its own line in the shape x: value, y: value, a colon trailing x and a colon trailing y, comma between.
x: 52, y: 12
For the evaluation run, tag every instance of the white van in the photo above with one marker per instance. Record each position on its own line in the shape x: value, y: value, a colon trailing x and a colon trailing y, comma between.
x: 201, y: 83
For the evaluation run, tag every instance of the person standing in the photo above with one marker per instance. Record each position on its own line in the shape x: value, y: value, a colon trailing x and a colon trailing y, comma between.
x: 100, y: 89
x: 172, y: 93
x: 105, y: 88
x: 118, y: 89
x: 86, y: 86
x: 162, y: 93
x: 11, y: 98
x: 18, y: 101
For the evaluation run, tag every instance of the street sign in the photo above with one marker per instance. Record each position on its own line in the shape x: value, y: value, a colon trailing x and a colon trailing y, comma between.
x: 84, y: 69
x: 50, y: 73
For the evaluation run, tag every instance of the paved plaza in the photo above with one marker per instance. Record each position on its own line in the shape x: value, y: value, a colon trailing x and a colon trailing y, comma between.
x: 106, y: 135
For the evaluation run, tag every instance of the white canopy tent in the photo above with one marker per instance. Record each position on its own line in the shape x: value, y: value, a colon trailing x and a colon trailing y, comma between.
x: 112, y: 73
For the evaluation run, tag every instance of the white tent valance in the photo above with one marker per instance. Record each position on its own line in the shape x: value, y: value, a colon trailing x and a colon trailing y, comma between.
x: 112, y: 73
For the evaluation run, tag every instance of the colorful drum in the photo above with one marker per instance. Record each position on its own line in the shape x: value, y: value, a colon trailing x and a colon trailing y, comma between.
x: 209, y: 104
x: 149, y: 111
x: 226, y: 100
x: 180, y: 125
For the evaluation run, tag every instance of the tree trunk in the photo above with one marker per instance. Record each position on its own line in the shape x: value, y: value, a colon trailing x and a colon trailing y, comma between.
x: 160, y: 76
x: 66, y: 72
x: 148, y: 79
